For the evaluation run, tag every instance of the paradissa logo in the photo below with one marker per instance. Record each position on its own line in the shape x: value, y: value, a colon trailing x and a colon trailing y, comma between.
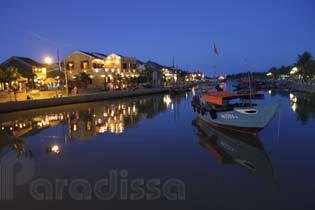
x: 117, y: 185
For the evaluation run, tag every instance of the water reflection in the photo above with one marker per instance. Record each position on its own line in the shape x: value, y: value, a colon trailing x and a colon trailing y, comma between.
x: 235, y: 148
x: 79, y: 122
x: 303, y: 104
x: 16, y: 144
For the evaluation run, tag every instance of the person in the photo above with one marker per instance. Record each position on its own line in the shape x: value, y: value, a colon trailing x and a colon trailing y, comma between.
x: 70, y: 89
x: 28, y: 97
x: 75, y: 90
x: 15, y: 92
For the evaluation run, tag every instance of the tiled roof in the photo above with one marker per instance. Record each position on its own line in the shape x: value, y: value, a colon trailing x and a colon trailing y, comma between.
x: 23, y: 64
x: 99, y: 55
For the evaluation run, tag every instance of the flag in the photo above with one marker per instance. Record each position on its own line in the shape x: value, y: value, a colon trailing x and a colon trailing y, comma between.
x: 215, y: 49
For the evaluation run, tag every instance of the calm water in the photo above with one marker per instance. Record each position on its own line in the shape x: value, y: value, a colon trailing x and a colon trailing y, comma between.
x: 154, y: 139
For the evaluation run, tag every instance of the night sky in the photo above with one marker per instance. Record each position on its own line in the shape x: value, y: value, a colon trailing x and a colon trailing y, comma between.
x: 250, y: 35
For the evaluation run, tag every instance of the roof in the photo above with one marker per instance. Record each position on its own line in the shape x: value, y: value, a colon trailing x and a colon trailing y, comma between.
x: 88, y: 53
x: 99, y: 55
x: 23, y: 64
x: 139, y: 61
x: 25, y: 60
x: 154, y: 65
x: 219, y: 97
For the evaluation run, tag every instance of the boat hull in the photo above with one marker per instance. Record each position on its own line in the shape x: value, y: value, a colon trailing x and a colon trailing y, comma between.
x: 239, y: 120
x: 250, y: 130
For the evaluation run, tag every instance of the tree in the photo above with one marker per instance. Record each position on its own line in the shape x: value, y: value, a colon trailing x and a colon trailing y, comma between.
x: 8, y: 74
x: 144, y: 76
x: 182, y: 75
x: 304, y: 64
x: 275, y: 72
x: 83, y: 79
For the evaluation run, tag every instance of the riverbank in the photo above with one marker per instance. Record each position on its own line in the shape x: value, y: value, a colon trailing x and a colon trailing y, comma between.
x: 304, y: 87
x: 48, y: 102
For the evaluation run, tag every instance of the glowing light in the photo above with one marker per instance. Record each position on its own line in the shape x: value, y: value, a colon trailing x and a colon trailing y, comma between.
x: 193, y: 91
x: 55, y: 149
x: 269, y: 74
x: 293, y: 106
x: 293, y: 98
x: 48, y: 60
x: 294, y: 70
x: 167, y: 100
x: 269, y: 91
x: 221, y: 78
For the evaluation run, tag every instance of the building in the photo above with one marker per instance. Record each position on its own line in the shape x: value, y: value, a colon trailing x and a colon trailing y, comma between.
x: 155, y: 74
x: 102, y: 69
x: 29, y: 69
x: 84, y: 62
x: 120, y: 65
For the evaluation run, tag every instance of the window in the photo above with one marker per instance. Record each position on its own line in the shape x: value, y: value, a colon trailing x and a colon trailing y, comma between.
x: 124, y: 65
x: 70, y: 66
x: 84, y: 65
x: 98, y: 65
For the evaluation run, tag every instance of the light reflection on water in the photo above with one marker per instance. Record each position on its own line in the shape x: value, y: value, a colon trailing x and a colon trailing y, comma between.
x: 153, y: 136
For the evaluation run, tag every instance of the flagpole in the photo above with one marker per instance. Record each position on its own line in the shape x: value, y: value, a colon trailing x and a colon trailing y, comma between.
x: 216, y: 53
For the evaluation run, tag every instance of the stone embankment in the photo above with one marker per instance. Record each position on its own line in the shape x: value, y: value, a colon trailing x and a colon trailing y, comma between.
x: 40, y: 103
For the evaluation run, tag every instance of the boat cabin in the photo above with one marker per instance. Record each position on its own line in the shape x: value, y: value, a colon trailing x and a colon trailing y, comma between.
x: 223, y: 98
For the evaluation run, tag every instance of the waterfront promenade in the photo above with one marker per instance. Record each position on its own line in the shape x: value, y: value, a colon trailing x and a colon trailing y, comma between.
x: 48, y: 98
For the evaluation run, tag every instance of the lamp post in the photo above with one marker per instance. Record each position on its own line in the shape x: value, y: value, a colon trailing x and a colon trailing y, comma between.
x: 65, y: 73
x: 66, y: 79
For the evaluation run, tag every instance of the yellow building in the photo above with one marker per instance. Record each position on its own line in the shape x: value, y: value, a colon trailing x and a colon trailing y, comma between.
x: 29, y: 70
x: 85, y: 62
x: 103, y: 70
x: 120, y: 65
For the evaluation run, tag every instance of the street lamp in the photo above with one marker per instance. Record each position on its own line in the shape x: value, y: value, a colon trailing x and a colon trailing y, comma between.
x: 294, y: 70
x: 48, y: 60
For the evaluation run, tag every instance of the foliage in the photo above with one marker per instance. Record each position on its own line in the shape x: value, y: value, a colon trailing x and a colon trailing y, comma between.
x: 181, y: 75
x: 304, y: 63
x: 8, y: 74
x: 83, y: 77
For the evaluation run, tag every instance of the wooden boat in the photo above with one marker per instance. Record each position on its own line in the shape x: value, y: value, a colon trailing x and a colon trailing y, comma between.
x: 217, y: 109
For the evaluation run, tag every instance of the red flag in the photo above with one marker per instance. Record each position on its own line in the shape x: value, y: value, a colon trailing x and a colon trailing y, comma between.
x: 215, y: 49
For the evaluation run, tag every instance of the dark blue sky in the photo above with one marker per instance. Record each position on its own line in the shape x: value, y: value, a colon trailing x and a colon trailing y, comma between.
x: 250, y: 35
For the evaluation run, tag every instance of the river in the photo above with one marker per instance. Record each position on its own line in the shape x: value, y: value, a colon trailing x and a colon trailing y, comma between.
x: 147, y: 152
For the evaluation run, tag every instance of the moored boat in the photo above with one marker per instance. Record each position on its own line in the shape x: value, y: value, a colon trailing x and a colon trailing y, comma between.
x: 220, y: 110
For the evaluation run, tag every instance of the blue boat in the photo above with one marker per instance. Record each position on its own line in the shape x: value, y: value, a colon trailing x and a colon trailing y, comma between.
x: 216, y: 109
